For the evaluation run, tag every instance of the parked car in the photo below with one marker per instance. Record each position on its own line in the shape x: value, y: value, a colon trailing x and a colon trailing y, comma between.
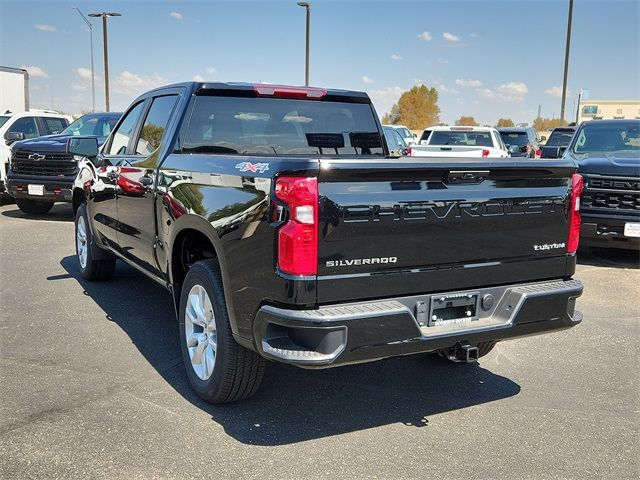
x: 283, y: 232
x: 18, y: 126
x: 42, y: 171
x: 405, y: 133
x: 396, y: 144
x: 557, y: 142
x: 521, y: 141
x: 460, y: 142
x: 608, y: 157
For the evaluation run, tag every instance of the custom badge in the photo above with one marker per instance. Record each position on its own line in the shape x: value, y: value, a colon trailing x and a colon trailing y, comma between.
x: 252, y: 167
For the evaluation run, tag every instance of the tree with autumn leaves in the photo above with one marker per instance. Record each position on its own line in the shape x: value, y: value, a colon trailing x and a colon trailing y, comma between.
x: 467, y: 122
x: 504, y: 123
x: 544, y: 124
x: 416, y: 109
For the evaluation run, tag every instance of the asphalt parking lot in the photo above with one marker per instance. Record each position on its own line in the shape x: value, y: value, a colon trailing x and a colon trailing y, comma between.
x: 93, y: 386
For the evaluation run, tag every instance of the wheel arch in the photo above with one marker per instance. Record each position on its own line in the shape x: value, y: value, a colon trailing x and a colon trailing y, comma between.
x: 192, y: 239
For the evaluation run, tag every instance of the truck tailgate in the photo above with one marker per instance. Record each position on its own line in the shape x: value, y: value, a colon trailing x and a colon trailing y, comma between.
x: 416, y: 226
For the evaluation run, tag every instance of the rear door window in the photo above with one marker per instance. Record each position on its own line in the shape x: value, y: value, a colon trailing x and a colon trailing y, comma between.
x: 54, y: 125
x: 279, y: 126
x: 155, y: 124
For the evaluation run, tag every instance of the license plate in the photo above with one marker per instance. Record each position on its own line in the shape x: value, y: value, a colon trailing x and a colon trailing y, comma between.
x: 632, y: 229
x: 36, y: 190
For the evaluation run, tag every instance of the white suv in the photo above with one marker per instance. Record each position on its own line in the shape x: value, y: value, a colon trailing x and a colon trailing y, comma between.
x: 22, y: 126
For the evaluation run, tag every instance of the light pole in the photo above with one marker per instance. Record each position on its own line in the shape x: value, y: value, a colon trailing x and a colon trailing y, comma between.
x: 104, y: 16
x: 566, y: 61
x: 307, y: 6
x: 93, y: 78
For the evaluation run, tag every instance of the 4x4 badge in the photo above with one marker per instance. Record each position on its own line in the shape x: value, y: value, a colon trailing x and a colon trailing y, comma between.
x: 252, y: 167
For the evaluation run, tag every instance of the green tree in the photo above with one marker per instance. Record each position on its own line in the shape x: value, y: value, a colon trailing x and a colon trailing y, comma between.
x: 543, y: 124
x: 504, y: 122
x: 416, y: 108
x: 467, y: 121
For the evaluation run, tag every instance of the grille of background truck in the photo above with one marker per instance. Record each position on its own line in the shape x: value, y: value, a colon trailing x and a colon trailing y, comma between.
x: 53, y: 165
x: 613, y: 195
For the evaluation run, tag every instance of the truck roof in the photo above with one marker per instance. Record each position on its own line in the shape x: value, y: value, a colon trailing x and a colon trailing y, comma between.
x: 197, y: 87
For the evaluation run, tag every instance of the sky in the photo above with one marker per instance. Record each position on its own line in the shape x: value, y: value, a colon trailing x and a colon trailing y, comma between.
x: 488, y: 59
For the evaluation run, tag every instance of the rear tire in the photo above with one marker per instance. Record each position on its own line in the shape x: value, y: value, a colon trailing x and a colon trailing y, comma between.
x: 33, y: 206
x: 90, y: 268
x: 484, y: 348
x: 219, y: 369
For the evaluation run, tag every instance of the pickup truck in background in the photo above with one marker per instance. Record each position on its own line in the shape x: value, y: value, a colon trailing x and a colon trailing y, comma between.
x: 283, y: 231
x: 558, y: 141
x: 608, y: 156
x: 20, y: 126
x: 478, y: 142
x: 41, y: 170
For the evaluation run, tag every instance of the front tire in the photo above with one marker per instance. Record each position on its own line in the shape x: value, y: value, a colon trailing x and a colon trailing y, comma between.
x: 90, y: 268
x: 219, y: 369
x: 33, y: 206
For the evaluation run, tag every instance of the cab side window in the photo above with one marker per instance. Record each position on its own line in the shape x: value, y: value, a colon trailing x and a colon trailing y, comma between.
x: 155, y: 124
x: 122, y: 135
x: 25, y: 125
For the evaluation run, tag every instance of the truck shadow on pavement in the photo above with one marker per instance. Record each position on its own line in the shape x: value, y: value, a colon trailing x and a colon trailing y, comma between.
x: 61, y: 212
x: 295, y: 405
x: 609, y: 257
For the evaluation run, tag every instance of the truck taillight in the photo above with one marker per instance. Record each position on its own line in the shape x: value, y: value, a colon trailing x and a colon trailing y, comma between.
x: 409, y: 151
x: 485, y: 153
x: 298, y: 238
x: 574, y: 214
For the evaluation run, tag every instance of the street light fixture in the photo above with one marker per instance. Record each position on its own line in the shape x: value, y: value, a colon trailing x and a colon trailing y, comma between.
x: 104, y: 16
x: 93, y: 78
x: 307, y: 6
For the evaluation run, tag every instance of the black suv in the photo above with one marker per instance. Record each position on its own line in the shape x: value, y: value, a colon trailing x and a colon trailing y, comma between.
x: 521, y: 142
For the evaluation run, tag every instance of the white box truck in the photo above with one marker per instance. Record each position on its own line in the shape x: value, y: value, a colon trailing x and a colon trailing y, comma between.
x: 14, y: 90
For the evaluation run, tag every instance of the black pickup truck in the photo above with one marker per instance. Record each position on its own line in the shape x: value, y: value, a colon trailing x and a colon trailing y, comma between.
x: 41, y: 170
x: 284, y: 232
x: 608, y: 156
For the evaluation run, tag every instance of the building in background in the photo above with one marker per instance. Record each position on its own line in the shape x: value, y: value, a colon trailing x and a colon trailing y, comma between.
x: 608, y: 109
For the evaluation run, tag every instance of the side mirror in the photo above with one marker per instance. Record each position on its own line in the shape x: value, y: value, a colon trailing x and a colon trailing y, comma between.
x: 83, y: 146
x: 543, y: 138
x: 415, y: 135
x: 551, y: 152
x: 11, y: 137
